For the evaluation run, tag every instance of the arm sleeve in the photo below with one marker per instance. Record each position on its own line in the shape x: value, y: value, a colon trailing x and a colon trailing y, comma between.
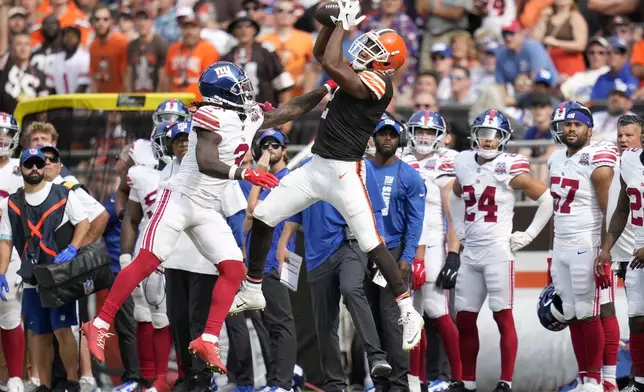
x: 74, y: 209
x: 5, y: 223
x: 91, y: 206
x: 415, y: 207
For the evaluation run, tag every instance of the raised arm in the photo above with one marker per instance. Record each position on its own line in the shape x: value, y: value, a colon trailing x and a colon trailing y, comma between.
x: 294, y: 108
x: 321, y: 43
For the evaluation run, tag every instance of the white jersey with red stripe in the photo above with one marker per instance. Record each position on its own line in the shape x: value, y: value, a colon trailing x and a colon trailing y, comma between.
x: 489, y: 202
x: 437, y: 171
x: 623, y: 249
x: 10, y: 182
x: 577, y: 216
x: 144, y: 184
x: 141, y: 153
x: 236, y: 136
x: 65, y: 74
x: 632, y: 172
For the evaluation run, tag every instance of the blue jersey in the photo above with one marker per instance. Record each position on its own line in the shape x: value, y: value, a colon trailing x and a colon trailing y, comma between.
x: 403, y: 190
x: 112, y: 235
x: 324, y: 227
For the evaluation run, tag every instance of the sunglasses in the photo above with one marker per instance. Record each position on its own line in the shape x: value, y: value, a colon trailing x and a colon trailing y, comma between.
x: 29, y: 164
x: 597, y: 52
x: 52, y: 159
x: 507, y: 34
x: 437, y: 57
x: 284, y: 11
x: 274, y: 146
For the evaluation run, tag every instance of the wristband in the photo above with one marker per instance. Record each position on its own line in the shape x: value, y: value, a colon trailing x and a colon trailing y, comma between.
x: 232, y: 171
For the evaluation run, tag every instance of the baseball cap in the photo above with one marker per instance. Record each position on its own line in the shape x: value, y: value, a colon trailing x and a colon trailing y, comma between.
x: 241, y: 19
x: 599, y: 40
x: 389, y: 123
x: 512, y: 27
x: 31, y: 153
x: 491, y: 47
x: 618, y: 43
x: 544, y: 76
x: 621, y: 20
x: 186, y: 14
x: 277, y: 135
x: 621, y: 88
x: 49, y: 148
x: 442, y: 49
x: 17, y: 11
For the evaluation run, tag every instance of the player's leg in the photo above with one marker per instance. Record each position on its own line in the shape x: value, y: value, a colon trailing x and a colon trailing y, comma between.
x: 347, y: 192
x: 436, y: 306
x: 470, y: 296
x: 611, y: 337
x: 215, y: 241
x: 155, y: 295
x: 11, y: 332
x: 499, y: 280
x: 144, y: 328
x: 160, y: 236
x: 295, y: 192
x: 586, y: 298
x: 634, y: 283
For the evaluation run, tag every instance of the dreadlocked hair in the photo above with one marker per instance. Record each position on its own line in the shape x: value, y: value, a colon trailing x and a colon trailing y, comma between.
x: 195, y: 105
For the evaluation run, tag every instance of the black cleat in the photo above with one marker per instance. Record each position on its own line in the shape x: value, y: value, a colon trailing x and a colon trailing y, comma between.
x: 634, y: 387
x: 380, y: 368
x: 502, y: 387
x: 458, y: 386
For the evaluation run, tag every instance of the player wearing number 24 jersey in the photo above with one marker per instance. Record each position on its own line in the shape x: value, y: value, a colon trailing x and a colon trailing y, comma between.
x: 580, y: 178
x: 482, y: 203
x: 223, y: 126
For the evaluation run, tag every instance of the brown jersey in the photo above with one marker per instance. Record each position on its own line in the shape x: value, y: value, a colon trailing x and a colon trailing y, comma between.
x: 146, y: 60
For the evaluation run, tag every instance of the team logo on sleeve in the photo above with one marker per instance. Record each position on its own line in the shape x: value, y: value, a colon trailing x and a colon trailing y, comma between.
x: 584, y: 159
x: 500, y: 168
x: 431, y: 164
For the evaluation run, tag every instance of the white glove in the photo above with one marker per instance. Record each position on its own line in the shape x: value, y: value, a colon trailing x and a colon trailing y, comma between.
x: 519, y: 239
x: 125, y: 260
x: 348, y: 11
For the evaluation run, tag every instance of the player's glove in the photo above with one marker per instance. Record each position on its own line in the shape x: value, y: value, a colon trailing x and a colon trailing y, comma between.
x: 124, y: 260
x: 605, y: 281
x: 549, y: 275
x: 266, y: 106
x: 418, y: 275
x: 331, y: 85
x: 347, y: 15
x: 4, y: 287
x: 519, y: 239
x: 66, y: 255
x: 447, y: 276
x: 260, y: 178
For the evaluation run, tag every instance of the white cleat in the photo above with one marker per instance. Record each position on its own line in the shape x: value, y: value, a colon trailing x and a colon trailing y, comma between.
x: 412, y: 324
x: 592, y: 387
x: 15, y: 384
x: 248, y: 298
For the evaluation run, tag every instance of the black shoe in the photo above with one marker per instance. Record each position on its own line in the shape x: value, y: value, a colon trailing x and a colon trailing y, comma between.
x: 42, y: 388
x: 502, y: 387
x: 634, y: 387
x: 423, y: 387
x: 183, y: 385
x: 380, y: 368
x: 458, y: 386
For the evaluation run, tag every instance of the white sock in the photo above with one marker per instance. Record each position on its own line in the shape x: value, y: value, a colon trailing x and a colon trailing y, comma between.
x: 639, y: 380
x: 209, y: 338
x: 100, y: 324
x: 470, y: 385
x: 609, y: 373
x: 507, y: 382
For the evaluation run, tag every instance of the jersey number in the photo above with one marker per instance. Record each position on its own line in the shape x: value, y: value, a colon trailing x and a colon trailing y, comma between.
x: 572, y: 186
x: 326, y: 109
x: 486, y: 203
x: 240, y: 153
x: 149, y: 200
x: 635, y: 196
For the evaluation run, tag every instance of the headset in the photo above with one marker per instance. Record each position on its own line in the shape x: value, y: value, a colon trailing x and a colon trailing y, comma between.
x: 257, y: 148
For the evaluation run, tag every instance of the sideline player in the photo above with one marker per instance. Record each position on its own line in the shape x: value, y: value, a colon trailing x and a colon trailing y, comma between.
x: 436, y: 166
x: 336, y: 173
x: 486, y: 178
x: 12, y: 335
x: 607, y: 314
x: 580, y: 178
x: 190, y: 201
x: 629, y: 212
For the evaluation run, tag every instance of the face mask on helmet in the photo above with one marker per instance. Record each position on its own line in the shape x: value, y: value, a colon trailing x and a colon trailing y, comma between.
x: 367, y: 48
x: 556, y: 130
x: 426, y: 140
x: 162, y: 146
x: 489, y: 142
x: 9, y: 139
x: 163, y: 116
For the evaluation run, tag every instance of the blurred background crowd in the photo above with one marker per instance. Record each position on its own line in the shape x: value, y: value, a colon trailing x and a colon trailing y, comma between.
x: 521, y: 56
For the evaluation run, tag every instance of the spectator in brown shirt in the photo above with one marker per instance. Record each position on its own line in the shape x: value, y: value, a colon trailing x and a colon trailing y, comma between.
x: 145, y: 55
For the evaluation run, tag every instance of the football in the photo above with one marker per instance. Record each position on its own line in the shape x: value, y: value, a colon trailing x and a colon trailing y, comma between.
x: 325, y: 11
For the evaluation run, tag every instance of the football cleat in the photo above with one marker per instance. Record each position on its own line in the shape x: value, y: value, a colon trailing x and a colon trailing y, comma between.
x: 96, y: 338
x: 209, y: 353
x: 248, y: 298
x: 412, y: 324
x: 502, y: 387
x: 458, y: 386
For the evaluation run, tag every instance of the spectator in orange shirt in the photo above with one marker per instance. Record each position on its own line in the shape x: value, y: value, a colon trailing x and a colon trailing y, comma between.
x: 637, y: 66
x: 67, y: 13
x: 188, y: 58
x: 108, y: 54
x: 294, y: 47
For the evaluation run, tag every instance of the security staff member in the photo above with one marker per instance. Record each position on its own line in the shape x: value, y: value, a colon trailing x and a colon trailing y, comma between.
x: 58, y: 225
x: 404, y: 193
x: 337, y: 267
x: 278, y: 314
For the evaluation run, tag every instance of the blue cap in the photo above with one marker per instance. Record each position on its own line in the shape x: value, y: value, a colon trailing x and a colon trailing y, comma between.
x: 49, y: 147
x: 277, y: 135
x: 389, y: 123
x: 31, y: 153
x: 491, y: 47
x: 545, y: 76
x: 622, y: 88
x: 618, y: 43
x: 442, y: 49
x: 180, y: 128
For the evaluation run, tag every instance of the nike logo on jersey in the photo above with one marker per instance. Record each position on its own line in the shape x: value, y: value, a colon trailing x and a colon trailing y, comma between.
x: 422, y: 195
x: 341, y: 176
x: 581, y: 253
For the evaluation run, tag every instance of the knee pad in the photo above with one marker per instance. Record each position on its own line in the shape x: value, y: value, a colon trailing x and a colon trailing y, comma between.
x: 10, y: 313
x: 435, y: 301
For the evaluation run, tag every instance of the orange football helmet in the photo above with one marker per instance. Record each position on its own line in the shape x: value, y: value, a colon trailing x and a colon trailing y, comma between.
x: 384, y: 49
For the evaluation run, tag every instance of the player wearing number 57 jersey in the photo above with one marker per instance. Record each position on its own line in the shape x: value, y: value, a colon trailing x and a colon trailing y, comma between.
x: 192, y: 200
x: 580, y: 178
x: 486, y: 178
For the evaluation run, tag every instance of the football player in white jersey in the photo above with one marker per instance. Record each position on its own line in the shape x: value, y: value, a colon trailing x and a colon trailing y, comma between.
x: 486, y: 178
x: 436, y: 166
x: 12, y: 335
x: 629, y: 212
x: 191, y: 201
x: 580, y: 179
